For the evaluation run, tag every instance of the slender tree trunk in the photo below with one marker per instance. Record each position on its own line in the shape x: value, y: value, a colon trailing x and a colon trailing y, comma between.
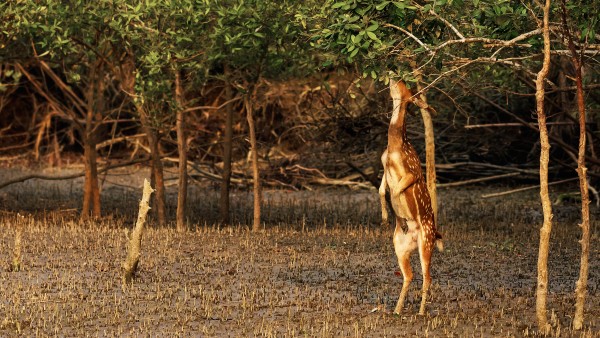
x: 91, y: 197
x: 255, y: 172
x: 91, y: 191
x: 430, y: 160
x: 99, y: 109
x: 87, y: 182
x: 542, y: 268
x: 128, y: 71
x: 157, y: 170
x: 429, y: 143
x: 581, y: 289
x: 227, y: 151
x: 182, y: 147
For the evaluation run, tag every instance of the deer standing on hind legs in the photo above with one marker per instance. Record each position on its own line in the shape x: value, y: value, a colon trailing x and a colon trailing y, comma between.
x: 410, y: 200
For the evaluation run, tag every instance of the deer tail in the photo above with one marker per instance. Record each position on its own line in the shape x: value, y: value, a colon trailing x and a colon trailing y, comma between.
x: 439, y: 244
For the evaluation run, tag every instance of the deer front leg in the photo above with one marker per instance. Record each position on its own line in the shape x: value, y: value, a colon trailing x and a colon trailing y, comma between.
x: 405, y: 182
x: 384, y: 212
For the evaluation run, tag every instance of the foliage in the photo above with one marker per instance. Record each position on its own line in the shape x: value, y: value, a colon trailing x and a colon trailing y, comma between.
x: 383, y: 37
x: 258, y: 38
x: 285, y: 40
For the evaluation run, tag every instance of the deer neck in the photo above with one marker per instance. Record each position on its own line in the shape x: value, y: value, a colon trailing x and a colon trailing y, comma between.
x: 397, y: 128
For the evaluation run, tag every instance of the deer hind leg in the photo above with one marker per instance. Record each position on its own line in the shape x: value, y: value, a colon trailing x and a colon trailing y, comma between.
x: 425, y: 250
x: 404, y: 244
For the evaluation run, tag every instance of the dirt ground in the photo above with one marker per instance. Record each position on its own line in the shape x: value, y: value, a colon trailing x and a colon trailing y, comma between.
x: 322, y: 266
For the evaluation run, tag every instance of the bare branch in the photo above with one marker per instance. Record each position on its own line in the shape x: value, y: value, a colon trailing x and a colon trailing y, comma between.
x: 446, y: 22
x: 421, y: 43
x: 68, y: 176
x: 475, y: 180
x: 526, y: 188
x: 191, y: 109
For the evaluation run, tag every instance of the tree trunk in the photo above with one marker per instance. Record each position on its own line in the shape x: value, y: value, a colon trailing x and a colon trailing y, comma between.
x: 542, y: 268
x: 157, y: 171
x: 127, y: 75
x: 430, y: 157
x: 182, y: 147
x: 87, y: 182
x: 581, y: 289
x: 429, y: 143
x: 255, y: 172
x: 227, y: 151
x: 91, y: 191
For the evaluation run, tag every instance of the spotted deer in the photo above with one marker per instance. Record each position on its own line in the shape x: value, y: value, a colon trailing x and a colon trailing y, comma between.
x: 410, y: 199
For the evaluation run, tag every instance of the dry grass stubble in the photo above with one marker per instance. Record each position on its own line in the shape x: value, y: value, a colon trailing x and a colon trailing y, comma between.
x: 285, y: 281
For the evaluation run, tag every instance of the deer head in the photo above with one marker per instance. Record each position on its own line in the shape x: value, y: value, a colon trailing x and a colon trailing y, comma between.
x: 400, y: 93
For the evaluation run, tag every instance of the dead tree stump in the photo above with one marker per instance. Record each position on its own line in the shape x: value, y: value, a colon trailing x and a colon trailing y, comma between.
x: 135, y: 239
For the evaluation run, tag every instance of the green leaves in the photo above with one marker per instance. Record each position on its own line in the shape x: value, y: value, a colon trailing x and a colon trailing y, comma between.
x: 355, y: 29
x: 259, y: 37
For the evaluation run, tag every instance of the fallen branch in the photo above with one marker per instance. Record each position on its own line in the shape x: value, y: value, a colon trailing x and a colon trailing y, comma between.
x: 69, y: 176
x: 367, y: 174
x: 117, y: 140
x: 346, y: 181
x: 484, y: 165
x: 517, y: 124
x: 476, y: 180
x: 526, y: 188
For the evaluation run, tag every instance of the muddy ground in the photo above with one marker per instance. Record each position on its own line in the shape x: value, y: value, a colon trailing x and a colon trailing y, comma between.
x: 322, y: 266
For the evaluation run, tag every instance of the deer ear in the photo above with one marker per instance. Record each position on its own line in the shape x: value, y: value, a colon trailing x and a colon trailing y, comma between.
x: 424, y: 105
x: 420, y: 103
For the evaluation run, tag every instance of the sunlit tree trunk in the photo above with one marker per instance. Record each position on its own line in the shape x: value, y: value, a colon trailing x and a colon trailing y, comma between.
x: 581, y: 289
x: 429, y: 142
x: 227, y: 151
x: 182, y: 147
x: 542, y: 268
x: 255, y: 171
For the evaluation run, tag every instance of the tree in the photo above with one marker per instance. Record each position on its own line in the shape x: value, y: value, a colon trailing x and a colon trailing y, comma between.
x: 253, y: 40
x: 542, y: 281
x: 577, y: 60
x: 70, y: 44
x: 162, y: 41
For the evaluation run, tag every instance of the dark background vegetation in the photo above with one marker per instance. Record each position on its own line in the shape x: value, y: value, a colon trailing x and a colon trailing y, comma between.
x: 313, y: 116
